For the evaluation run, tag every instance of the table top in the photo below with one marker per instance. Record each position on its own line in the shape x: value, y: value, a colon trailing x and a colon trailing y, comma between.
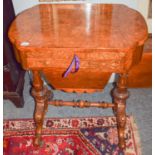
x: 97, y: 26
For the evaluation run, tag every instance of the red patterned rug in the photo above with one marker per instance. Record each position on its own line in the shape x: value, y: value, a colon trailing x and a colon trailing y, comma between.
x: 70, y: 136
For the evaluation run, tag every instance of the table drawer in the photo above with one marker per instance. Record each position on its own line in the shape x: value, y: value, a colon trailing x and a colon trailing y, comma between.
x: 92, y: 59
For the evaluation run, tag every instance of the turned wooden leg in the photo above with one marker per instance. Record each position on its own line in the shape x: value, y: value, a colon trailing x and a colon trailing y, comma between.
x: 41, y: 96
x: 120, y: 95
x: 48, y: 97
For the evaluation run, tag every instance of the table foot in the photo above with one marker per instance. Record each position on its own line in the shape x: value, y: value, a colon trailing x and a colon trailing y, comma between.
x: 37, y: 141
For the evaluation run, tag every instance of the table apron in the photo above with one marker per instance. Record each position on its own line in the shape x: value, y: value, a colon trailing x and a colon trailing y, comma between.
x: 105, y: 61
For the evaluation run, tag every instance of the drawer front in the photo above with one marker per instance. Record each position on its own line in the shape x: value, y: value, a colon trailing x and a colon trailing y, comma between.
x: 61, y: 58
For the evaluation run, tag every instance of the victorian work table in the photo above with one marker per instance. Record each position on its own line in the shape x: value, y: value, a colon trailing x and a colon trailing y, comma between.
x: 76, y: 47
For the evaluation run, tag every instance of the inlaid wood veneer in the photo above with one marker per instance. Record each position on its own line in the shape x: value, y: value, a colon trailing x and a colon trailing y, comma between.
x: 106, y: 39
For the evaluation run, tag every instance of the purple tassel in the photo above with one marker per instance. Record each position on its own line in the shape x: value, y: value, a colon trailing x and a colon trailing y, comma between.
x: 75, y: 62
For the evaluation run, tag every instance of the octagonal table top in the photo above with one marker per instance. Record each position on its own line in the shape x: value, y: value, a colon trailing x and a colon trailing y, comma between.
x: 99, y: 26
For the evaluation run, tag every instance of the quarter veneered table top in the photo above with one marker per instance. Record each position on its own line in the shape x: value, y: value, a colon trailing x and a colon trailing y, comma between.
x: 99, y: 26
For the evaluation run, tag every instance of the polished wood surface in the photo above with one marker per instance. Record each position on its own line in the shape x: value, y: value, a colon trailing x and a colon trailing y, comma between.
x: 78, y: 82
x: 41, y: 96
x: 79, y: 26
x: 120, y: 95
x: 105, y: 38
x: 82, y: 104
x: 140, y: 76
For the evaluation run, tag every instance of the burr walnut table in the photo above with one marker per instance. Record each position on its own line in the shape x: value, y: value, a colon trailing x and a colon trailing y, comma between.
x: 76, y: 48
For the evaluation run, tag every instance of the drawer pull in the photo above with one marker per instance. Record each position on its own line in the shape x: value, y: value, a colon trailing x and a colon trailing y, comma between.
x: 75, y: 62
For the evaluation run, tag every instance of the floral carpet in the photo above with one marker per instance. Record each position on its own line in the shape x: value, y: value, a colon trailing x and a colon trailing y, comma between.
x: 70, y: 136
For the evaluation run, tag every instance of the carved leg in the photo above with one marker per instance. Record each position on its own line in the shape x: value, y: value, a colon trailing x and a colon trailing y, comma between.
x: 40, y: 95
x: 120, y: 95
x: 48, y: 97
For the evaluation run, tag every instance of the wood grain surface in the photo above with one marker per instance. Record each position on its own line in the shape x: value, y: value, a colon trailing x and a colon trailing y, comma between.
x: 107, y: 38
